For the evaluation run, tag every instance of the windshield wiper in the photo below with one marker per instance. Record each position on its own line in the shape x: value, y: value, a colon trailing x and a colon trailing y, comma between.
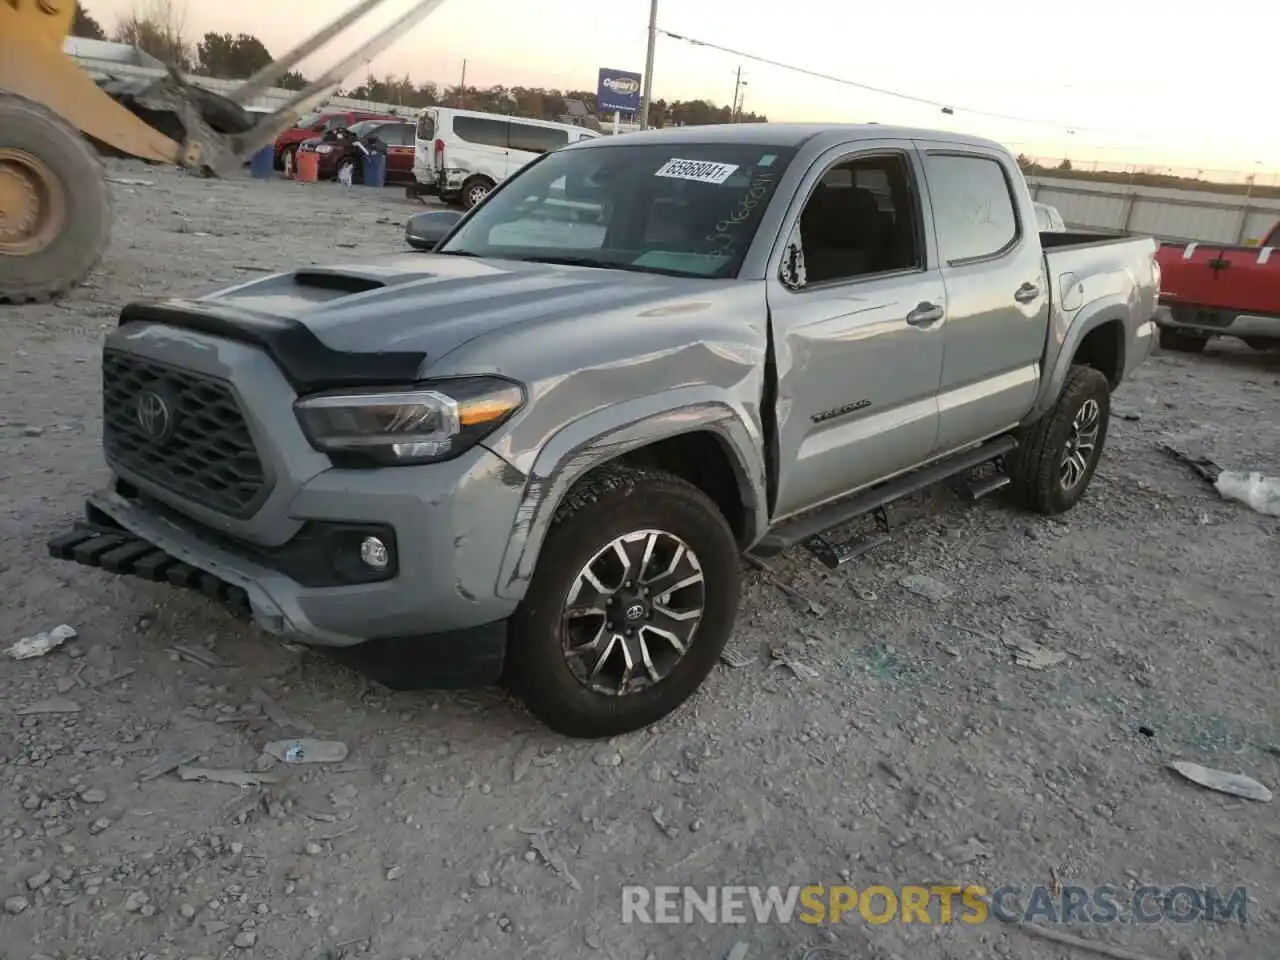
x: 456, y: 253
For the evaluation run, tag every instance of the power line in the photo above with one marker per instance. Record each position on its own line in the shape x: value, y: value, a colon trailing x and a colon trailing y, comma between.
x: 950, y: 107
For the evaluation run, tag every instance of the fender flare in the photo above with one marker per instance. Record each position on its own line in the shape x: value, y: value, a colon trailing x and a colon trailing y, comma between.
x: 1088, y: 318
x: 607, y: 434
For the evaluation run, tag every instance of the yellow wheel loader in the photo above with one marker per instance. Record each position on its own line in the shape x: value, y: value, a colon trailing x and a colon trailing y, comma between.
x: 56, y: 122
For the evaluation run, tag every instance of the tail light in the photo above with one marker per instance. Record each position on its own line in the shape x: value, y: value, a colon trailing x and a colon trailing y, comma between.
x: 439, y: 154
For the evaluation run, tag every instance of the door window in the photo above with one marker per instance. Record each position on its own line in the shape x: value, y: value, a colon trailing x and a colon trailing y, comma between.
x: 531, y: 139
x: 427, y: 127
x: 395, y: 134
x: 481, y: 130
x: 973, y: 207
x: 860, y: 220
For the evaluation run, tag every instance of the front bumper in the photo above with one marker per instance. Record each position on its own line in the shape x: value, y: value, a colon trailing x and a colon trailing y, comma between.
x: 451, y: 524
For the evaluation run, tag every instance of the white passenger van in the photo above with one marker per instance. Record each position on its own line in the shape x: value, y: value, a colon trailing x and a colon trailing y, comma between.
x: 460, y: 155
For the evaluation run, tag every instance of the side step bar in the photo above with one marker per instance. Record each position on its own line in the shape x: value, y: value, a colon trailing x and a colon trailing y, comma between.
x: 813, y: 524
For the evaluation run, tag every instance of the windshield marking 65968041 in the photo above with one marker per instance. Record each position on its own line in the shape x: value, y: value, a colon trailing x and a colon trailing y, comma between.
x: 631, y: 206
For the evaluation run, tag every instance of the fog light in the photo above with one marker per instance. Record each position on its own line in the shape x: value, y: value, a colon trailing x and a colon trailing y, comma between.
x: 374, y: 553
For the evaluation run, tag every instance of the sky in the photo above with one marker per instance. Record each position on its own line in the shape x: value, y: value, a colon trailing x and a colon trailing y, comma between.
x: 1107, y: 80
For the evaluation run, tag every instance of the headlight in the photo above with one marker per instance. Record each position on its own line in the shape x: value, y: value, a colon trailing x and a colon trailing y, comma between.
x: 324, y: 148
x: 423, y: 424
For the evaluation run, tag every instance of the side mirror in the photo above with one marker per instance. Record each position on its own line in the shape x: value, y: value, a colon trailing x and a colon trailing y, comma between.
x: 318, y: 128
x: 425, y: 230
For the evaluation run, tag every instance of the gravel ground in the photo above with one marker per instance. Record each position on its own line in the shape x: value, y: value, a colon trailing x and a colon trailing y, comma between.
x: 896, y: 741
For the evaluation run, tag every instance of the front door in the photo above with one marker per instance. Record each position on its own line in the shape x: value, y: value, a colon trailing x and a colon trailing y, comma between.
x: 400, y: 152
x: 858, y: 316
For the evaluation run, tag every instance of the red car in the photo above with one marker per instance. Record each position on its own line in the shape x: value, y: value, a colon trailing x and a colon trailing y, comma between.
x: 315, y: 125
x: 347, y: 148
x: 1212, y: 290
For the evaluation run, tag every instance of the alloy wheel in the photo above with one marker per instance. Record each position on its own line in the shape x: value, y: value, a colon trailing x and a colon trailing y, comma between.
x: 1081, y: 445
x: 633, y: 612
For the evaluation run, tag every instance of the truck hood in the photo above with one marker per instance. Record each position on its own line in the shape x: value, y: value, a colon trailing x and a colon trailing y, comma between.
x: 415, y: 307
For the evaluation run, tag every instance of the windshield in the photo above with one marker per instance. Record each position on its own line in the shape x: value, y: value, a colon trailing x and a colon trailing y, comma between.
x: 365, y: 127
x: 310, y: 120
x: 685, y: 209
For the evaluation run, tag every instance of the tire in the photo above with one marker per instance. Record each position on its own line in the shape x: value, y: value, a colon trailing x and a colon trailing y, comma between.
x: 475, y: 190
x: 1171, y: 339
x: 1037, y: 468
x: 611, y: 504
x: 50, y: 158
x: 1262, y: 343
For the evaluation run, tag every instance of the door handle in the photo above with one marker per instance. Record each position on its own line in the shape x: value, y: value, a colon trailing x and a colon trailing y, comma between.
x: 925, y: 314
x: 1027, y: 292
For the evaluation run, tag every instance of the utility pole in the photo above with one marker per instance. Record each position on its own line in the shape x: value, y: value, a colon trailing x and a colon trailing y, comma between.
x: 462, y: 84
x: 737, y: 85
x: 647, y: 96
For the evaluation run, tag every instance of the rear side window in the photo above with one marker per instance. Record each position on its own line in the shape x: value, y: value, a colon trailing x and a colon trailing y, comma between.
x: 481, y: 130
x: 395, y: 135
x: 531, y: 139
x: 972, y: 206
x: 427, y: 127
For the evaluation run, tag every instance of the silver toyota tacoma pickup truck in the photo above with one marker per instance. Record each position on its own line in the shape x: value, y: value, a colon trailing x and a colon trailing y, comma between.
x: 537, y: 454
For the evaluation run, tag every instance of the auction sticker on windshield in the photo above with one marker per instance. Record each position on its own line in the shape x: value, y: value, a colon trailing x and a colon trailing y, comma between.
x: 702, y: 171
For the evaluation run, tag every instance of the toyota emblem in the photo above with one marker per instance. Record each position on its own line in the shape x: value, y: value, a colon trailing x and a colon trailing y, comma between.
x: 154, y: 416
x: 635, y: 611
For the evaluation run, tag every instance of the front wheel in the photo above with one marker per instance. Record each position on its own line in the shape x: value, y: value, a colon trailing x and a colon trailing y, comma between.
x: 475, y: 190
x: 1057, y: 456
x: 634, y: 596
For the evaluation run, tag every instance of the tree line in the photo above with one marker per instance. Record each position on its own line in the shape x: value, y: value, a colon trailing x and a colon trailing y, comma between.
x: 158, y: 27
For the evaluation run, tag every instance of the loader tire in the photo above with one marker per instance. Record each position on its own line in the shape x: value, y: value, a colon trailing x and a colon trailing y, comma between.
x: 55, y: 208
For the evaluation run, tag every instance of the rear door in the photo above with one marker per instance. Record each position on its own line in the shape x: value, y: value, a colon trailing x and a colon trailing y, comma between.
x: 478, y: 146
x: 997, y: 293
x: 859, y: 316
x: 424, y: 139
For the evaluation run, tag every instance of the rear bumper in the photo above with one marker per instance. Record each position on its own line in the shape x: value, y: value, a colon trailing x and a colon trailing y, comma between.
x: 1210, y: 321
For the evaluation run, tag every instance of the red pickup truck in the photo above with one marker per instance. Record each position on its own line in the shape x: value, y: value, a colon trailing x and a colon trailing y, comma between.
x: 1210, y: 290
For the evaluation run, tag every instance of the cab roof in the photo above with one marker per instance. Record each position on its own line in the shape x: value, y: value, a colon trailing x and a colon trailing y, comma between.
x: 784, y: 134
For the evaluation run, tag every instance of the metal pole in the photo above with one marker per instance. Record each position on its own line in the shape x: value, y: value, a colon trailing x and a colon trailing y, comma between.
x: 647, y: 96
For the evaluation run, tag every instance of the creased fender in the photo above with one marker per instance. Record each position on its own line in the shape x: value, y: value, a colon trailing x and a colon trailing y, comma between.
x: 607, y: 434
x: 1064, y: 342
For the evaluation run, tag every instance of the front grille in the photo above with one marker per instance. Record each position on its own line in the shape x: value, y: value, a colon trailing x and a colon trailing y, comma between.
x: 181, y: 430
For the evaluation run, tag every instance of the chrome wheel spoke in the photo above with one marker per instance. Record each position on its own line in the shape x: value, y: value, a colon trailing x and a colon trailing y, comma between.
x: 614, y: 642
x: 665, y: 635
